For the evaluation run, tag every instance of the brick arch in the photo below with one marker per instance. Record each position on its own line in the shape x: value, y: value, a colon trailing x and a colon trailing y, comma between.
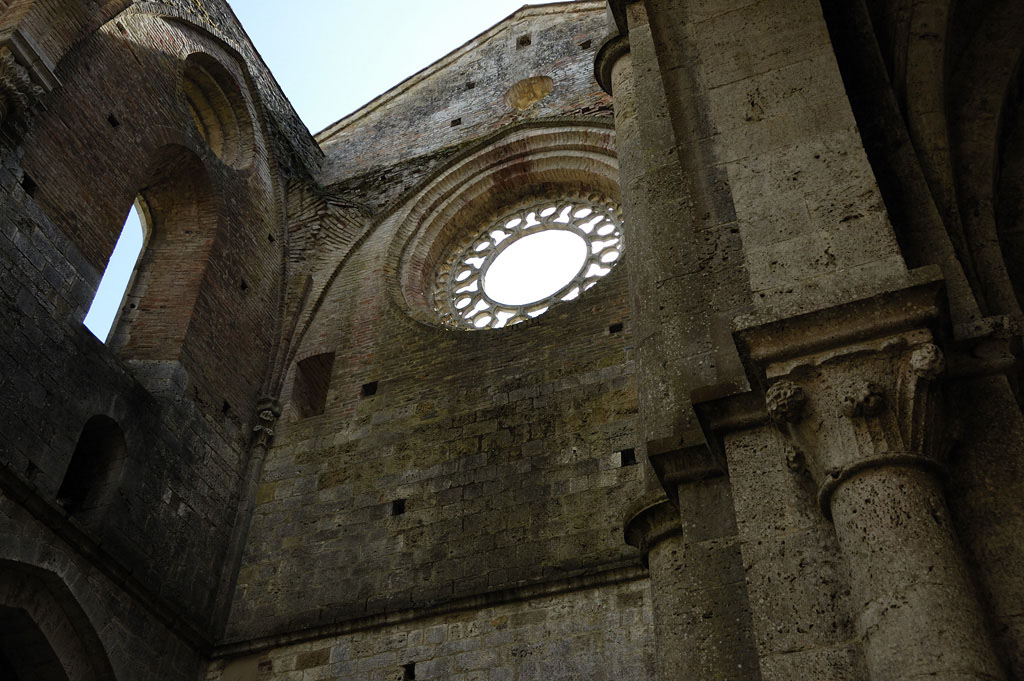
x: 554, y: 156
x: 180, y: 218
x: 45, y: 624
x: 41, y: 32
x: 550, y: 160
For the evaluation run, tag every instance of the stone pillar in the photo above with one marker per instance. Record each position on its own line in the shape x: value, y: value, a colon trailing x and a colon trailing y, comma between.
x: 653, y: 527
x: 268, y: 411
x: 667, y: 305
x: 701, y: 621
x: 702, y: 616
x: 856, y: 391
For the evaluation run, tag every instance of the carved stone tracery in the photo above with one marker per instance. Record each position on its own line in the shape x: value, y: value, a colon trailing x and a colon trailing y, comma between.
x: 17, y: 92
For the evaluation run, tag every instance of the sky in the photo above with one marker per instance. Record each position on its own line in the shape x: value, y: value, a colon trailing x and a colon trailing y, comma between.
x: 330, y: 57
x: 333, y: 56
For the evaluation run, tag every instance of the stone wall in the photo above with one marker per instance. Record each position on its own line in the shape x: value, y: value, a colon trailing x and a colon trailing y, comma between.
x: 146, y: 563
x: 599, y: 634
x: 482, y: 462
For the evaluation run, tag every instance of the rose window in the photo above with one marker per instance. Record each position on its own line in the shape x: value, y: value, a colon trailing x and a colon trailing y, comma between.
x: 527, y: 261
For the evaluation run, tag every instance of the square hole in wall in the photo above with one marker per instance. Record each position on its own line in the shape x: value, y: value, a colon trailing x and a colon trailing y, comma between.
x: 112, y: 119
x: 615, y: 328
x: 368, y: 389
x: 627, y: 457
x: 470, y: 85
x: 585, y: 45
x: 456, y: 122
x: 312, y: 380
x: 409, y: 672
x: 523, y: 41
x: 398, y: 507
x: 28, y: 184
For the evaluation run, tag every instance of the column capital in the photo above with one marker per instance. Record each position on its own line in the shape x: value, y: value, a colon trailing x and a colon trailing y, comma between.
x: 612, y: 49
x: 857, y: 386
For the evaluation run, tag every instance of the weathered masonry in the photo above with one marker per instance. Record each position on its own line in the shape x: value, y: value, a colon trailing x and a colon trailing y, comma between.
x: 765, y: 425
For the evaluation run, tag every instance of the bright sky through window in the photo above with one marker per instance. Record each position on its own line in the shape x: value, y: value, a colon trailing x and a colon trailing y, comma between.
x: 535, y: 267
x: 115, y: 279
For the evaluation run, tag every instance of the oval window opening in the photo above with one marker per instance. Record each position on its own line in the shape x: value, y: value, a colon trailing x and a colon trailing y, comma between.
x: 535, y: 267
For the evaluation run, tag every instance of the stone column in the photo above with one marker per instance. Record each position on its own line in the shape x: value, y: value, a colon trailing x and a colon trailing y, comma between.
x: 702, y: 616
x: 698, y: 588
x: 668, y: 310
x: 268, y: 411
x: 653, y: 527
x: 856, y: 391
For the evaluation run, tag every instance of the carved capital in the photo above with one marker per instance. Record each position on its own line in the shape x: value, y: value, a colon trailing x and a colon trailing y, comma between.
x: 866, y: 399
x: 17, y: 92
x: 786, y: 402
x: 856, y: 386
x: 927, y: 361
x: 268, y: 411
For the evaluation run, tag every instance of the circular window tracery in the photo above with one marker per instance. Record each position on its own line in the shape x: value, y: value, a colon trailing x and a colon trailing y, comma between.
x: 531, y: 258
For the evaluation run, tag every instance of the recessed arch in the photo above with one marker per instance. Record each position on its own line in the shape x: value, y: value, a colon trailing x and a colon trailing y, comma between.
x: 181, y: 211
x: 95, y: 469
x: 44, y: 624
x: 219, y: 110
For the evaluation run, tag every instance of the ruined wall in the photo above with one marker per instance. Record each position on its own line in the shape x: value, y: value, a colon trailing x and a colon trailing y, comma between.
x: 145, y: 564
x: 502, y: 448
x: 463, y: 96
x: 600, y: 633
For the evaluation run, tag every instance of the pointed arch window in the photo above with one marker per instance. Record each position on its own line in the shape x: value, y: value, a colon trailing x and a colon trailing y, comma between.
x: 112, y: 293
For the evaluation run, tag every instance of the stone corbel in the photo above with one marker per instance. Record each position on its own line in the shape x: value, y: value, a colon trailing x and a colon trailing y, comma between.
x: 27, y: 53
x: 268, y: 411
x: 17, y: 91
x: 650, y: 521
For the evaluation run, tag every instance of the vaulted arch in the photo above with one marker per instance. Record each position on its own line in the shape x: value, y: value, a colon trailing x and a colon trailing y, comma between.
x: 45, y: 635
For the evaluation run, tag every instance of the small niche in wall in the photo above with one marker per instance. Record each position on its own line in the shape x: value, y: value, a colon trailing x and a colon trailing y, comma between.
x: 398, y: 507
x: 368, y: 389
x: 523, y: 41
x: 615, y: 328
x: 95, y: 468
x: 312, y: 381
x: 627, y: 457
x: 28, y: 184
x: 409, y: 672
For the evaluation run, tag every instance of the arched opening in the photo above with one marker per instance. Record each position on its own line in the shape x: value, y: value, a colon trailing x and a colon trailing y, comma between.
x: 95, y: 468
x: 219, y: 110
x: 179, y: 213
x: 25, y: 654
x: 44, y: 633
x: 312, y: 381
x: 119, y: 274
